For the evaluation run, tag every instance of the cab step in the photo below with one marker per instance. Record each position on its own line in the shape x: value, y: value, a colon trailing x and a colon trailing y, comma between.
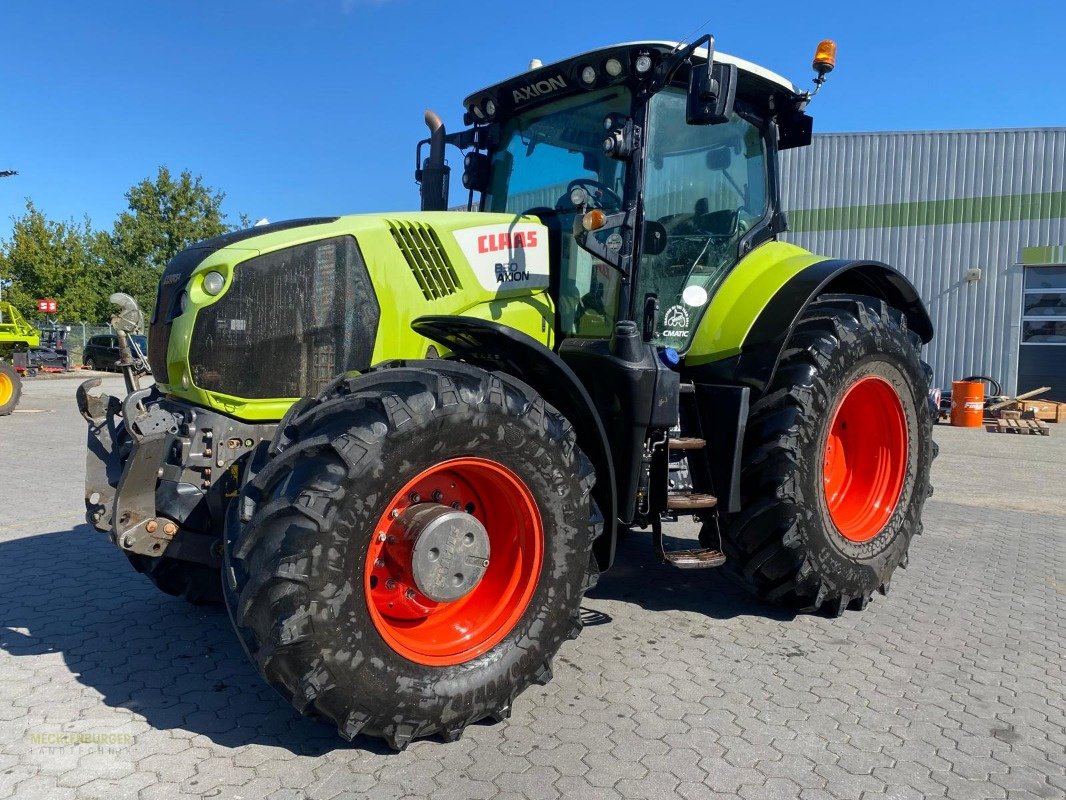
x: 694, y: 558
x: 690, y: 501
x: 687, y: 443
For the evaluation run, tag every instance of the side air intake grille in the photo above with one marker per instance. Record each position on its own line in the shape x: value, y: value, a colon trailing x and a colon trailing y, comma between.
x: 426, y: 257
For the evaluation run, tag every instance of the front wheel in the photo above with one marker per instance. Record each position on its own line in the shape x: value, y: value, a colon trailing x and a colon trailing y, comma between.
x: 413, y: 550
x: 10, y: 389
x: 836, y: 460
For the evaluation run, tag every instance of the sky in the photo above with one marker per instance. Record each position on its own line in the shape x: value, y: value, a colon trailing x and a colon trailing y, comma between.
x: 306, y: 107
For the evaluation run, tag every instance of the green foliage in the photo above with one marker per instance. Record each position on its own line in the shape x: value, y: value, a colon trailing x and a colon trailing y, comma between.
x: 59, y: 260
x: 81, y: 267
x: 164, y: 217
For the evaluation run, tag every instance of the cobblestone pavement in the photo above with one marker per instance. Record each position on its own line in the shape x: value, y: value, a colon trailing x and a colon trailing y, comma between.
x: 680, y: 685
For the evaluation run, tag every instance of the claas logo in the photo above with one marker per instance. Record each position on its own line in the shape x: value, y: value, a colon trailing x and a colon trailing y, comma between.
x: 494, y: 242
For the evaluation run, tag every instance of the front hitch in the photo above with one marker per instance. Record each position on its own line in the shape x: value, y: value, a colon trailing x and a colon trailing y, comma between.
x: 104, y: 453
x: 127, y: 443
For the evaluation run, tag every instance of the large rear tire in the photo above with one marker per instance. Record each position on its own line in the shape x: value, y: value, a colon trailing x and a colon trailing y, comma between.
x: 10, y: 389
x: 836, y: 460
x: 318, y: 581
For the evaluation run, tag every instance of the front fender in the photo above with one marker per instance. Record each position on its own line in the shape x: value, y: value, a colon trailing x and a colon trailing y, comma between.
x: 492, y: 346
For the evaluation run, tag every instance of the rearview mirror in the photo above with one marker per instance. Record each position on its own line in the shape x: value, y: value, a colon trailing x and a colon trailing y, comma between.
x: 719, y: 224
x: 719, y: 158
x: 712, y: 90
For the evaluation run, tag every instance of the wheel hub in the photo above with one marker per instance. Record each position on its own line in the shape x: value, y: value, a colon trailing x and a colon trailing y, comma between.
x: 449, y: 550
x: 430, y: 589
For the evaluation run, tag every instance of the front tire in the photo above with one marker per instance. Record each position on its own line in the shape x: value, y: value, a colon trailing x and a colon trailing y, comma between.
x: 314, y: 571
x: 836, y: 460
x: 10, y: 389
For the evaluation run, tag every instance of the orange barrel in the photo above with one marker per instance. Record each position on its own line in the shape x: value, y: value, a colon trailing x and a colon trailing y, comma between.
x: 967, y: 403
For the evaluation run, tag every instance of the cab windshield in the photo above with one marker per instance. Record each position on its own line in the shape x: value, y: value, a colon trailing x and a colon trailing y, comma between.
x: 707, y: 186
x: 541, y: 155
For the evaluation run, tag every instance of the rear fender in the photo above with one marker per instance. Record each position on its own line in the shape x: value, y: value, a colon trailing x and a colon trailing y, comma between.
x: 492, y: 346
x: 751, y: 359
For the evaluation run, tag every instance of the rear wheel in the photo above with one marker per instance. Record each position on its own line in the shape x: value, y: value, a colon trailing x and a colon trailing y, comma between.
x: 413, y: 550
x: 836, y: 460
x: 10, y: 389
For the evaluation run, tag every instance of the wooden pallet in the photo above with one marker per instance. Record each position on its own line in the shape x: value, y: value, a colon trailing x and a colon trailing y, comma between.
x: 1046, y: 410
x: 1015, y: 425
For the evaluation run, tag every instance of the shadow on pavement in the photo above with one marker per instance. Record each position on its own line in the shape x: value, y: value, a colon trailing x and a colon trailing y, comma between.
x: 177, y: 665
x: 180, y: 666
x: 639, y: 577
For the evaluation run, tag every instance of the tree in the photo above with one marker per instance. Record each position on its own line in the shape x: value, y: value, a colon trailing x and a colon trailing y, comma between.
x: 81, y: 267
x: 60, y: 260
x: 165, y: 216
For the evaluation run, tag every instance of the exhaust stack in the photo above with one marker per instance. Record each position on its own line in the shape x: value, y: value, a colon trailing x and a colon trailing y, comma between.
x: 435, y: 173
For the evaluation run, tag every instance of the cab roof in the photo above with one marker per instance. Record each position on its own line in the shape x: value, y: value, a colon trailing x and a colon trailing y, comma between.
x: 596, y: 57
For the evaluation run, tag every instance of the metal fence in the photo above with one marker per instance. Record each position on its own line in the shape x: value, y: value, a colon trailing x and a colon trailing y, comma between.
x: 75, y: 335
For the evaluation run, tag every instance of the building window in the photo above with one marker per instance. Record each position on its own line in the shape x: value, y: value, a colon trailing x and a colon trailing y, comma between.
x: 1044, y: 306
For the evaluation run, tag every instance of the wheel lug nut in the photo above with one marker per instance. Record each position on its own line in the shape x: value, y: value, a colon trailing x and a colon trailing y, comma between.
x: 390, y: 583
x: 382, y: 536
x: 437, y: 496
x: 416, y: 497
x: 410, y: 594
x: 395, y: 513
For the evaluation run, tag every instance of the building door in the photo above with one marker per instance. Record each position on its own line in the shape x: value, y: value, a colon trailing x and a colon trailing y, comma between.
x: 1042, y: 352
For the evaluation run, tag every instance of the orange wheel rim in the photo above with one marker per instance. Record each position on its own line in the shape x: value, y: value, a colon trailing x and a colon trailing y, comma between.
x: 865, y: 459
x: 446, y: 633
x: 7, y: 389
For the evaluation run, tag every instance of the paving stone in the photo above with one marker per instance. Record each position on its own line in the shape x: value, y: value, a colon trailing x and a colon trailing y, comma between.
x: 950, y: 687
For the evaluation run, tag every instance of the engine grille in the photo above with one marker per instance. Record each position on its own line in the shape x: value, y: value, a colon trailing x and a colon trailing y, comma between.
x: 292, y: 320
x: 177, y: 273
x: 426, y: 257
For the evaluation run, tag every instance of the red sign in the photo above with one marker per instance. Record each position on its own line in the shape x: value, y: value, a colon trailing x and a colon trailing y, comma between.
x: 46, y: 306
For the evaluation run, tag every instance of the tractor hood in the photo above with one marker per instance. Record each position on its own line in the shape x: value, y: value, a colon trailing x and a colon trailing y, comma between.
x: 303, y: 301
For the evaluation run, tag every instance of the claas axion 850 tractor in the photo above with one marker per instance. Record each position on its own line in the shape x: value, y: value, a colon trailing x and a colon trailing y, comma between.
x: 401, y: 447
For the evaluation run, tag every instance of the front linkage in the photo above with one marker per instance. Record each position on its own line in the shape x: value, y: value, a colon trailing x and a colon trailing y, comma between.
x: 158, y: 474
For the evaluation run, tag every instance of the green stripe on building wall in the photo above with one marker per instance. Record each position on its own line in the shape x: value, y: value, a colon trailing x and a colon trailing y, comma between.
x: 1044, y: 255
x: 1042, y: 205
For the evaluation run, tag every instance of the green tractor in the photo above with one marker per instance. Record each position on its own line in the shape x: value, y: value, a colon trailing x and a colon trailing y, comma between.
x: 17, y: 336
x: 408, y: 443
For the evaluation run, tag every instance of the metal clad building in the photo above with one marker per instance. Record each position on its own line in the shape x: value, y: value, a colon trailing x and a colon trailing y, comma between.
x: 937, y: 205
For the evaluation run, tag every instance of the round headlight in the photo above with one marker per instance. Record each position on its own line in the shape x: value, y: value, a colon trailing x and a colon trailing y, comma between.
x: 213, y: 283
x: 490, y: 107
x: 578, y: 196
x: 613, y: 67
x: 643, y: 63
x: 183, y: 302
x: 588, y: 76
x: 478, y: 112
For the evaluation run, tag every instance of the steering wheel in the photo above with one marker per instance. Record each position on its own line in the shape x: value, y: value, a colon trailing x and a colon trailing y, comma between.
x: 600, y: 193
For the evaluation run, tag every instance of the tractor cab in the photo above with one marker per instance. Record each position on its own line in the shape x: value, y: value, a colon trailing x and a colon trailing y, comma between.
x: 653, y: 166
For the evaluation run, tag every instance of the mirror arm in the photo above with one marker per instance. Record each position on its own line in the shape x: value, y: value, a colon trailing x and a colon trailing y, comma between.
x: 667, y: 69
x: 619, y: 261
